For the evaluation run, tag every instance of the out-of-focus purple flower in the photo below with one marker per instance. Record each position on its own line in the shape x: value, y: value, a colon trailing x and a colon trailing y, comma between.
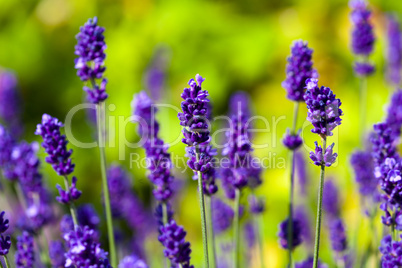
x: 249, y: 234
x: 222, y: 215
x: 300, y: 165
x: 255, y: 173
x: 362, y: 163
x: 305, y: 226
x: 257, y: 205
x: 66, y: 197
x: 66, y: 224
x: 226, y: 176
x: 193, y: 119
x: 25, y: 255
x: 10, y: 102
x: 177, y: 249
x: 298, y: 70
x: 143, y: 108
x: 6, y: 147
x: 132, y: 262
x: 362, y: 33
x: 155, y: 75
x: 296, y: 234
x: 337, y: 235
x: 323, y: 108
x: 159, y: 213
x: 308, y: 263
x: 329, y: 157
x: 87, y: 216
x: 391, y: 252
x: 363, y: 68
x: 330, y: 201
x: 55, y: 145
x: 292, y: 141
x: 383, y: 141
x: 4, y: 223
x: 56, y: 254
x: 5, y: 244
x: 240, y: 101
x: 394, y: 116
x: 394, y: 50
x: 98, y: 93
x: 84, y: 249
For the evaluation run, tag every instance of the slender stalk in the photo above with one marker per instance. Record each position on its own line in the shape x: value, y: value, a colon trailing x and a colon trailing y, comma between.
x: 374, y: 238
x: 109, y: 221
x: 211, y: 233
x: 236, y: 229
x: 319, y: 207
x: 6, y: 261
x: 363, y: 104
x: 73, y: 211
x: 296, y: 110
x: 259, y: 240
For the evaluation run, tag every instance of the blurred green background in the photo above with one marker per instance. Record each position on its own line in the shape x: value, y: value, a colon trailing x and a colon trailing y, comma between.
x: 235, y: 45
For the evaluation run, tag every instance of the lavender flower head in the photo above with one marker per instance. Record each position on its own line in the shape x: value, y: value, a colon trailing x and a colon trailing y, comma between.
x: 296, y: 234
x: 6, y: 147
x: 323, y: 108
x: 391, y: 252
x: 362, y: 35
x: 91, y: 56
x: 394, y: 51
x: 84, y: 249
x: 337, y: 235
x: 25, y: 256
x: 330, y: 200
x: 5, y: 240
x: 292, y: 141
x: 300, y: 165
x: 10, y: 102
x: 222, y: 215
x: 56, y: 254
x: 177, y: 249
x: 132, y: 262
x: 257, y: 205
x: 394, y: 116
x: 302, y: 216
x: 240, y: 101
x: 329, y: 157
x: 363, y: 166
x: 298, y: 70
x: 193, y: 118
x: 87, y: 216
x: 55, y: 145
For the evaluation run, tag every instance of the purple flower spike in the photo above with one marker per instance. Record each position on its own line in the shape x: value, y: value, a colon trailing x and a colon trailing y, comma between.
x: 222, y: 215
x: 394, y: 51
x: 132, y: 262
x: 176, y: 248
x: 298, y: 70
x: 25, y: 255
x: 84, y: 249
x: 363, y: 166
x: 292, y: 141
x: 98, y: 93
x: 10, y: 102
x: 55, y: 145
x: 391, y: 252
x: 323, y: 108
x: 257, y: 206
x: 67, y: 197
x: 5, y: 244
x: 283, y: 234
x: 330, y: 201
x: 329, y: 156
x: 338, y: 238
x: 363, y: 68
x: 194, y: 116
x: 56, y: 253
x: 394, y: 117
x: 4, y: 223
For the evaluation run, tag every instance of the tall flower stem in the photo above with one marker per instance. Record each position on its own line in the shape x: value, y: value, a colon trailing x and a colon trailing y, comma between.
x: 73, y: 211
x: 292, y: 168
x: 101, y: 143
x: 6, y: 262
x: 363, y: 104
x: 319, y: 207
x: 203, y: 218
x: 211, y: 233
x: 259, y: 224
x: 236, y: 229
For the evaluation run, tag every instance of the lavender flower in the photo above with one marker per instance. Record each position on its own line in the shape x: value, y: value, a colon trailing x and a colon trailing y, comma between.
x: 323, y: 108
x: 305, y: 226
x: 309, y: 264
x: 5, y: 241
x: 25, y: 256
x: 328, y: 159
x: 84, y: 249
x: 331, y: 200
x: 222, y: 215
x: 6, y: 147
x: 363, y: 68
x: 87, y: 216
x: 226, y: 176
x: 10, y: 102
x: 155, y: 75
x: 363, y: 166
x: 301, y: 172
x: 292, y: 141
x: 240, y: 101
x: 257, y: 205
x: 296, y: 234
x: 394, y: 116
x: 132, y: 262
x: 391, y: 252
x: 66, y: 224
x: 69, y: 196
x: 298, y: 69
x: 249, y: 234
x: 159, y: 213
x: 55, y: 145
x: 383, y: 141
x: 176, y: 248
x: 56, y: 254
x: 394, y: 51
x: 338, y: 236
x: 4, y: 223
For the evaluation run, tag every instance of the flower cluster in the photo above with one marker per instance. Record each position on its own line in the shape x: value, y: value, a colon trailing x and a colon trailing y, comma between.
x: 25, y: 256
x: 391, y: 252
x: 327, y: 159
x: 222, y: 215
x: 56, y: 253
x: 292, y: 141
x: 305, y: 226
x: 284, y: 233
x: 362, y: 35
x: 323, y: 108
x: 177, y: 249
x: 91, y: 56
x: 132, y: 262
x: 363, y: 166
x: 84, y: 249
x: 10, y: 103
x: 394, y: 51
x: 298, y: 70
x: 5, y: 240
x: 394, y: 115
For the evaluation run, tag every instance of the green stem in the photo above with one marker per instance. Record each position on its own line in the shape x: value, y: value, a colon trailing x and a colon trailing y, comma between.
x: 319, y: 207
x: 296, y: 110
x: 109, y: 221
x: 363, y: 104
x: 6, y: 261
x: 260, y: 239
x: 73, y: 211
x: 236, y: 229
x: 211, y: 233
